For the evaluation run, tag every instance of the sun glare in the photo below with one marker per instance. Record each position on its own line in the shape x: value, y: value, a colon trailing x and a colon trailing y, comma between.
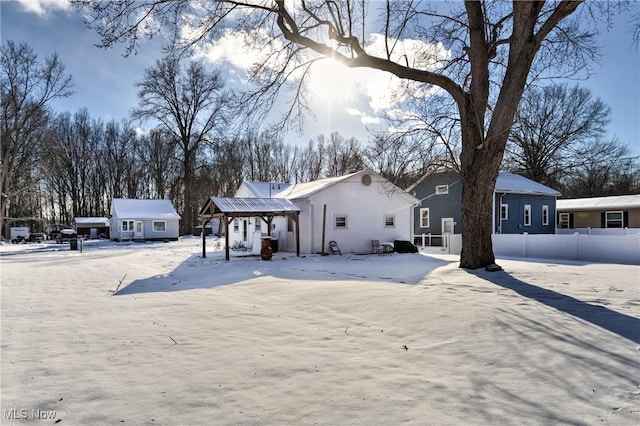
x: 329, y: 80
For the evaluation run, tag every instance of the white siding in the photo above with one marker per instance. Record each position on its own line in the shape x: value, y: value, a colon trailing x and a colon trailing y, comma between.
x: 365, y: 208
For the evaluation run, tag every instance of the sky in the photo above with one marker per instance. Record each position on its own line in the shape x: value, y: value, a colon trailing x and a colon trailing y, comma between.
x: 104, y: 80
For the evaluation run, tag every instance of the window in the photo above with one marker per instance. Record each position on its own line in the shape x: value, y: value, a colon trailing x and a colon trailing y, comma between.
x: 289, y: 224
x: 258, y: 223
x: 527, y: 215
x: 159, y: 226
x: 424, y: 218
x: 389, y: 221
x: 236, y: 225
x: 563, y: 220
x: 545, y: 215
x: 504, y: 211
x: 341, y: 222
x: 127, y: 225
x: 613, y: 220
x: 442, y: 189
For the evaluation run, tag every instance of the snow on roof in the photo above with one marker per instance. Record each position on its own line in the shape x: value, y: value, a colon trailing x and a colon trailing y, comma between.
x: 126, y: 208
x: 304, y: 190
x: 255, y: 205
x: 600, y: 203
x: 91, y: 220
x: 266, y: 189
x: 516, y: 184
x: 506, y: 183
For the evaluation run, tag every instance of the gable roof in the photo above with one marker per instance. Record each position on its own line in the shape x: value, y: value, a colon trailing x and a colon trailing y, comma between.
x: 515, y: 184
x: 127, y: 208
x: 307, y: 189
x: 506, y: 183
x: 265, y: 189
x: 600, y: 203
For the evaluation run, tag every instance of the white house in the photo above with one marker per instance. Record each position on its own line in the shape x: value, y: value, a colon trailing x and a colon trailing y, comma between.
x: 351, y: 210
x: 133, y: 219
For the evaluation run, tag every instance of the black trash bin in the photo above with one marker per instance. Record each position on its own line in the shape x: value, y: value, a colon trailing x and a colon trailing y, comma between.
x: 274, y: 244
x: 73, y: 243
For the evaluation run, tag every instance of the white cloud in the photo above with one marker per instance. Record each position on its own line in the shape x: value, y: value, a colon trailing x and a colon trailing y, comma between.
x: 41, y: 7
x: 238, y: 48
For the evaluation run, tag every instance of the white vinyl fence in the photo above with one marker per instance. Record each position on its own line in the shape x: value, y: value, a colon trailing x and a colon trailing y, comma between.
x: 591, y: 248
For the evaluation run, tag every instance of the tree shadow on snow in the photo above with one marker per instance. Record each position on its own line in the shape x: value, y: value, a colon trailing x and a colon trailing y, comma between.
x: 204, y: 273
x: 623, y: 325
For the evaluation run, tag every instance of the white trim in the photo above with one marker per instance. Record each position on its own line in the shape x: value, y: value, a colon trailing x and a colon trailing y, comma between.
x: 527, y: 215
x: 428, y: 217
x: 545, y: 214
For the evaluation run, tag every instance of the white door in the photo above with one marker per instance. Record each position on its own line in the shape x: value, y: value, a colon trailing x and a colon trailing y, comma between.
x: 447, y: 230
x: 447, y: 225
x: 138, y: 231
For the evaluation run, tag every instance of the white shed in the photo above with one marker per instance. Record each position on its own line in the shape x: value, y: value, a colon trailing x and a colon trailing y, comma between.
x: 137, y: 219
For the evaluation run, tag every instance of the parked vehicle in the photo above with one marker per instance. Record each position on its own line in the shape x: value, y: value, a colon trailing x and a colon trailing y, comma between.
x: 36, y: 237
x: 65, y: 235
x: 19, y: 234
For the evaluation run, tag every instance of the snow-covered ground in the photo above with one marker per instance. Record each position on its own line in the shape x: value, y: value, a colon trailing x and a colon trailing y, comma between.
x: 352, y: 339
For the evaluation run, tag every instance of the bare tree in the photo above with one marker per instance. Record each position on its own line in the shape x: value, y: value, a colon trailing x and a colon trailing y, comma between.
x: 491, y: 50
x: 28, y: 87
x: 403, y: 157
x: 190, y: 106
x: 158, y: 152
x: 310, y: 161
x: 342, y: 156
x: 551, y: 123
x: 600, y: 168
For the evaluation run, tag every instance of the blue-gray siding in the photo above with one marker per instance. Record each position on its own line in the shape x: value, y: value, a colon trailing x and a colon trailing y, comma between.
x: 514, y: 224
x: 440, y: 206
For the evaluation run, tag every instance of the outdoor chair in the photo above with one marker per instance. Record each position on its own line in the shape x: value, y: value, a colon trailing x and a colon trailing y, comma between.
x: 333, y: 246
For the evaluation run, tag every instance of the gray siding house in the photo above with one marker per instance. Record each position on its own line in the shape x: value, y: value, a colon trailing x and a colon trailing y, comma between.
x: 143, y: 220
x: 520, y: 205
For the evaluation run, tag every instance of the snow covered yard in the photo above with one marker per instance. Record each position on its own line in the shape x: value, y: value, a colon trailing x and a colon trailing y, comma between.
x: 349, y: 339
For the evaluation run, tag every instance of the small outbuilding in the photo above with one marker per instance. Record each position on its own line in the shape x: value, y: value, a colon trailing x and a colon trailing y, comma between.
x: 143, y: 220
x: 264, y: 209
x: 92, y: 227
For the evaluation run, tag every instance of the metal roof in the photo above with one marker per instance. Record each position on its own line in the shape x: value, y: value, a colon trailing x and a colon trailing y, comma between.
x: 253, y: 205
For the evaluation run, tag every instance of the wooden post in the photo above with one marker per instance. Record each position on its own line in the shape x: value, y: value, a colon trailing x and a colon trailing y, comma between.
x: 204, y: 239
x: 296, y: 219
x: 324, y: 225
x: 226, y: 236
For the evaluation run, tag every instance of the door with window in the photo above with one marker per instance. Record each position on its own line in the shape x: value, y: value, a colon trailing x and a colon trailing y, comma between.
x: 447, y: 230
x: 447, y: 225
x: 138, y: 230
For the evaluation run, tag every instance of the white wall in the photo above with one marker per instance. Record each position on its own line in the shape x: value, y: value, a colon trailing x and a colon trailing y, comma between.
x: 365, y: 207
x: 591, y: 248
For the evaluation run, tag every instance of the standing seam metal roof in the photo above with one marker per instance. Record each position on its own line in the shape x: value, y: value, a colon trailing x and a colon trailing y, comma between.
x: 254, y: 205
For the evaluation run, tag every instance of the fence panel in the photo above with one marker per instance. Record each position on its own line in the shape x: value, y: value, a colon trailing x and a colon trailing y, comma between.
x: 609, y: 248
x: 590, y: 248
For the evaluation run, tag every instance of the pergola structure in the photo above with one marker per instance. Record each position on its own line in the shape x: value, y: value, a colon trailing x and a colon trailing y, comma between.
x: 227, y: 209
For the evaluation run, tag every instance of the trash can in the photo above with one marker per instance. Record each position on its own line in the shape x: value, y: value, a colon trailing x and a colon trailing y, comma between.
x: 266, y: 253
x: 274, y: 244
x: 73, y: 243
